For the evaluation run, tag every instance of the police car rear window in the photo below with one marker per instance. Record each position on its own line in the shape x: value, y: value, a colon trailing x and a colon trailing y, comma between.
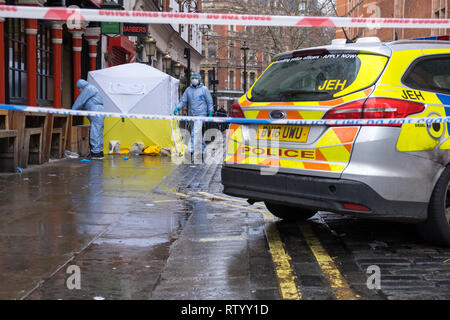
x: 430, y: 74
x: 317, y: 77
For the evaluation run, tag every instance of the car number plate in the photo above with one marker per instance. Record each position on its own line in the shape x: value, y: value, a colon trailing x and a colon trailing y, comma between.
x: 283, y: 133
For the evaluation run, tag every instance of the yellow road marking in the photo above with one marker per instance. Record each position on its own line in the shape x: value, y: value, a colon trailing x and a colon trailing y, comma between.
x: 237, y: 238
x: 283, y: 269
x: 337, y: 282
x: 280, y: 258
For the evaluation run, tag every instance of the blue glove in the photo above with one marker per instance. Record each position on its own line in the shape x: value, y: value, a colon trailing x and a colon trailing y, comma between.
x: 210, y: 114
x: 175, y: 111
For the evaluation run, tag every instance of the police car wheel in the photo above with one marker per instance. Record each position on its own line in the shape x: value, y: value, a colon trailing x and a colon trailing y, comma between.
x: 288, y: 212
x: 436, y: 229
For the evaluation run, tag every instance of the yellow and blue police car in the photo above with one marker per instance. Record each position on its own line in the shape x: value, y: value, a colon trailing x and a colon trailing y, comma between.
x: 386, y: 170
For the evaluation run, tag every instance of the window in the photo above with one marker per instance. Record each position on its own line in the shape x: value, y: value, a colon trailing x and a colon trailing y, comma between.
x: 159, y: 4
x: 262, y: 3
x: 44, y: 65
x: 251, y: 55
x: 211, y: 50
x: 202, y: 74
x: 16, y: 57
x: 440, y: 13
x: 203, y: 50
x: 431, y: 74
x: 317, y: 77
x: 252, y: 79
x: 266, y: 58
x: 303, y: 6
x: 231, y: 80
x: 210, y: 77
x: 231, y: 51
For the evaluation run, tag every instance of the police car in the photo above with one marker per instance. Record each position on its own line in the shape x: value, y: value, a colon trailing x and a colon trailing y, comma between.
x: 390, y: 171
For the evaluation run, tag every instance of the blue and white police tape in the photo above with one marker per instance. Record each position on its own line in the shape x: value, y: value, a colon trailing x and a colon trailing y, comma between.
x: 328, y: 122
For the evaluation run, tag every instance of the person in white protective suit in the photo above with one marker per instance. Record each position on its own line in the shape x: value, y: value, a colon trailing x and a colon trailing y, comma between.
x: 200, y: 104
x: 90, y: 99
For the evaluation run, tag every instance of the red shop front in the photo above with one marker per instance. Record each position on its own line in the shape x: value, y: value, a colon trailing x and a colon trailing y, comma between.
x: 121, y: 51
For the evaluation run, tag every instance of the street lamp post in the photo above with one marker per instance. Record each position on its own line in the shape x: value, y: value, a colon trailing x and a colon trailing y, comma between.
x: 167, y: 62
x: 245, y: 48
x: 187, y: 56
x: 177, y: 69
x: 191, y: 5
x: 205, y: 29
x: 214, y: 82
x: 138, y: 47
x: 150, y: 48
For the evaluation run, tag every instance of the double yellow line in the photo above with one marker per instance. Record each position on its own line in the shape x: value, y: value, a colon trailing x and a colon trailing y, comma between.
x: 280, y: 258
x: 337, y: 282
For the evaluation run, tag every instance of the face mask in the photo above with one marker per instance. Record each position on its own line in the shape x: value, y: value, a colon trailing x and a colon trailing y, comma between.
x: 194, y: 82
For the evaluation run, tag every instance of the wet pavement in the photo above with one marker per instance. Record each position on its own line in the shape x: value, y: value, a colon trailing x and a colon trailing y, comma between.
x: 147, y: 228
x: 53, y: 214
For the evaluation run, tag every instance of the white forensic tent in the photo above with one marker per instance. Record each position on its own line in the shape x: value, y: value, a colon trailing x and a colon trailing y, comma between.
x: 137, y: 88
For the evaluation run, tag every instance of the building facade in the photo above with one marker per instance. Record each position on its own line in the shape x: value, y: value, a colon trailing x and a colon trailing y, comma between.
x: 393, y: 9
x: 171, y: 39
x: 236, y: 69
x: 44, y: 59
x: 224, y: 58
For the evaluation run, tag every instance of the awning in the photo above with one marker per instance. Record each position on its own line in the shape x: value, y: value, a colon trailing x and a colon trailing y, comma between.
x: 123, y: 43
x: 122, y: 49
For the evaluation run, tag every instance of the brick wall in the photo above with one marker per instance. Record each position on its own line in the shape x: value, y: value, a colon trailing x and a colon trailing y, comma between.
x: 394, y: 9
x: 223, y: 36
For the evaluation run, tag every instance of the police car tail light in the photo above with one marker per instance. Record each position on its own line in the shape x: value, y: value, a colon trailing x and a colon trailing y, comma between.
x: 236, y: 111
x: 352, y: 110
x: 382, y: 108
x: 376, y: 108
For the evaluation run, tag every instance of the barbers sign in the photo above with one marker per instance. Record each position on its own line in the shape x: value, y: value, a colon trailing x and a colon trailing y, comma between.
x: 135, y: 29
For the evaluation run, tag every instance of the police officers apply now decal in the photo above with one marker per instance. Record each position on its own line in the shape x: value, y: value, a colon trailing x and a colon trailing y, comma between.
x: 314, y: 57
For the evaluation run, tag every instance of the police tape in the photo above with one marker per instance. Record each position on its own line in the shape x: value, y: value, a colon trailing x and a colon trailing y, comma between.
x: 308, y: 122
x: 82, y: 15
